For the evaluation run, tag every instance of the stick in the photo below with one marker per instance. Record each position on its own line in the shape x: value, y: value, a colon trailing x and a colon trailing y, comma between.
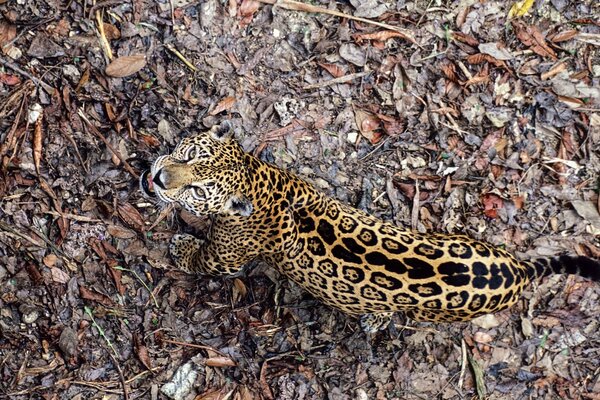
x: 96, y: 132
x: 26, y: 74
x: 299, y: 6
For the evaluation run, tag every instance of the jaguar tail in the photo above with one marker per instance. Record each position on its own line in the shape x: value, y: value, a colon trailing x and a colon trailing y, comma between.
x: 564, y: 264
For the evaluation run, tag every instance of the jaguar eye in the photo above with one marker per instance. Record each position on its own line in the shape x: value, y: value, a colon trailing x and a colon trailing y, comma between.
x: 191, y: 154
x: 198, y: 193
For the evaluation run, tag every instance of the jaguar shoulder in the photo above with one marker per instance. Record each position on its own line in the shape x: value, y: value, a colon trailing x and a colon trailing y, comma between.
x: 345, y: 257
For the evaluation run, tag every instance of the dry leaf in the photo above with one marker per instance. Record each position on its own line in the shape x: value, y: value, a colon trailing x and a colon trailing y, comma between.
x: 8, y: 32
x: 10, y: 80
x: 491, y: 204
x: 59, y: 276
x: 367, y: 124
x: 125, y: 66
x: 131, y: 216
x: 120, y: 232
x: 142, y: 351
x: 239, y: 290
x: 520, y: 8
x: 247, y: 10
x: 335, y: 70
x: 87, y: 294
x: 464, y: 38
x: 50, y: 260
x: 531, y: 36
x: 220, y: 362
x: 563, y: 36
x: 116, y: 275
x: 223, y: 105
x: 555, y: 70
x: 111, y: 32
x: 380, y: 36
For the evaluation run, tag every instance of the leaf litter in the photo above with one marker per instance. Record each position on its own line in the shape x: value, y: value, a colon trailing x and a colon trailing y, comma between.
x: 476, y: 117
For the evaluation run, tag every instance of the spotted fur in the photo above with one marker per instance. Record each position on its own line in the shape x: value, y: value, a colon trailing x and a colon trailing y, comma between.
x: 347, y: 258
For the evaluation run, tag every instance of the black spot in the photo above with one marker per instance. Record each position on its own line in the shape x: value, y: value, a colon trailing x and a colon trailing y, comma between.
x: 352, y: 274
x: 494, y: 301
x: 305, y: 261
x: 507, y: 274
x: 507, y: 297
x: 419, y: 269
x: 347, y: 299
x: 342, y: 253
x: 385, y: 281
x: 393, y: 246
x: 495, y: 282
x: 315, y: 246
x: 457, y: 280
x: 452, y: 268
x: 407, y: 239
x: 477, y: 302
x: 307, y: 224
x: 333, y: 212
x: 387, y: 229
x: 404, y: 299
x: 343, y: 287
x: 482, y: 249
x: 368, y: 237
x: 479, y: 282
x: 480, y: 268
x: 328, y: 268
x: 347, y: 224
x: 326, y: 231
x: 494, y: 269
x: 354, y: 247
x: 372, y: 293
x: 460, y: 250
x: 434, y: 304
x: 426, y: 289
x: 457, y: 299
x: 317, y: 280
x: 377, y: 258
x: 428, y: 251
x: 297, y: 248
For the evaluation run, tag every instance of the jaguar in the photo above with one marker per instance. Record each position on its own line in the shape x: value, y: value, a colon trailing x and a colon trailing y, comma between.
x: 348, y: 259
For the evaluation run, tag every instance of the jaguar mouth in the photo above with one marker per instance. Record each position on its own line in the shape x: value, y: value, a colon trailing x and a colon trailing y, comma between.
x: 146, y: 184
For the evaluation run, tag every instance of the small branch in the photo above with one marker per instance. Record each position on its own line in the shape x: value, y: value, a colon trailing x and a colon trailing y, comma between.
x: 181, y: 57
x: 341, y: 79
x: 96, y: 132
x: 299, y: 6
x: 26, y: 74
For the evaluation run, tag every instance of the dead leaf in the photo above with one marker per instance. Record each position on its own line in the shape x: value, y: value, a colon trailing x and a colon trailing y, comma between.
x: 520, y: 8
x: 87, y: 294
x: 8, y: 32
x: 464, y: 38
x: 220, y: 362
x: 59, y: 276
x: 125, y: 66
x: 380, y: 36
x: 223, y: 105
x: 50, y: 260
x: 111, y: 32
x: 10, y: 80
x: 335, y: 70
x: 555, y: 70
x: 563, y: 36
x: 531, y: 36
x: 142, y: 351
x: 247, y: 10
x: 116, y: 275
x: 239, y: 290
x: 120, y: 232
x: 367, y: 124
x: 491, y: 204
x: 130, y: 215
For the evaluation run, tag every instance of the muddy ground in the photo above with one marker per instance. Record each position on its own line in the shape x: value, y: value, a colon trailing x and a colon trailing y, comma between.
x: 473, y: 117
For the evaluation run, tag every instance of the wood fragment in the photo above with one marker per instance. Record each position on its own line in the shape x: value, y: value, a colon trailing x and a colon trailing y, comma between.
x: 335, y: 81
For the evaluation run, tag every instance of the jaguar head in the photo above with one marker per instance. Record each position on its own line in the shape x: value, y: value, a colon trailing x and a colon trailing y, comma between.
x: 205, y: 174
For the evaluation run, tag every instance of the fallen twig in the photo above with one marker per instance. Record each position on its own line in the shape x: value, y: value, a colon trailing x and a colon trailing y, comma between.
x: 181, y: 57
x: 96, y: 132
x: 26, y: 74
x: 299, y: 6
x: 341, y: 79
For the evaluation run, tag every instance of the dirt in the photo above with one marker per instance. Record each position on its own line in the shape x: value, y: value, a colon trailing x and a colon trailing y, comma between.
x: 463, y: 120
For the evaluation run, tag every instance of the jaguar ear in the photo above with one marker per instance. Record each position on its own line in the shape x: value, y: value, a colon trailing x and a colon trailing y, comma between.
x: 222, y: 132
x: 239, y: 204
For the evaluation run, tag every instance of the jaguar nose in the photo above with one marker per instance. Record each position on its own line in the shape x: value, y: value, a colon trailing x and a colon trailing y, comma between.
x: 157, y: 179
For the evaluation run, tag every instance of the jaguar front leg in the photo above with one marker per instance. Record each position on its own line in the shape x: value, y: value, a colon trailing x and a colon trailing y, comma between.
x: 196, y: 256
x: 372, y: 323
